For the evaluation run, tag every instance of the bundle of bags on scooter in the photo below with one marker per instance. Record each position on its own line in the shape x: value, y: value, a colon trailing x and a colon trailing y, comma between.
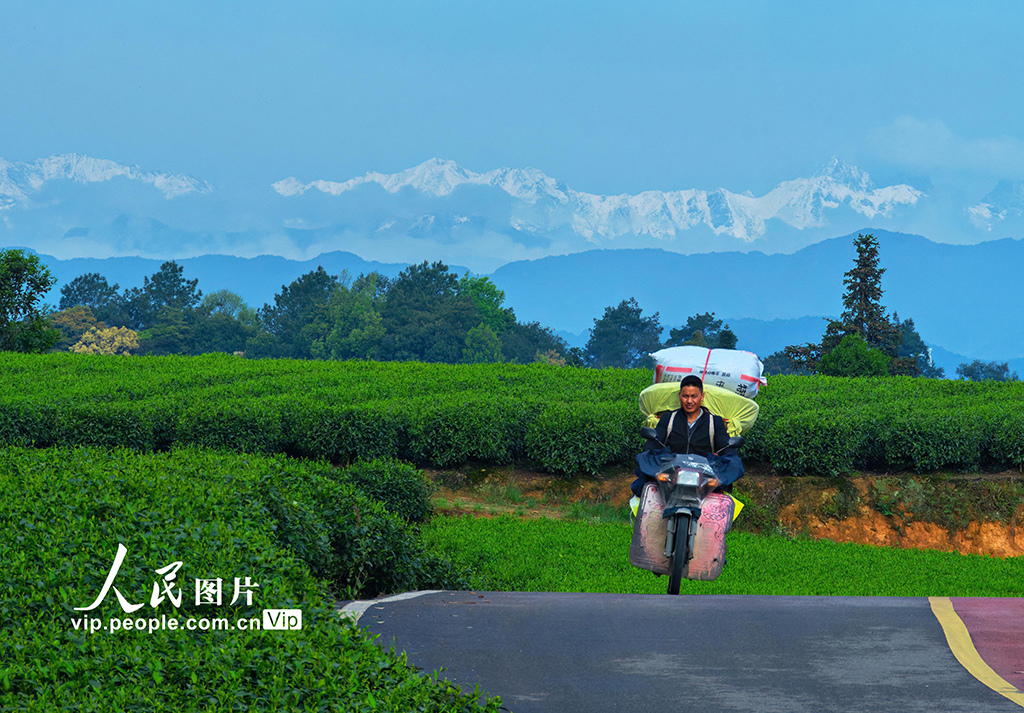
x: 737, y: 371
x: 731, y: 380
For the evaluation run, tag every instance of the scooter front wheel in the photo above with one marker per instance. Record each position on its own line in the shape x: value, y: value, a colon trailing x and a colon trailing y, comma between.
x: 679, y: 553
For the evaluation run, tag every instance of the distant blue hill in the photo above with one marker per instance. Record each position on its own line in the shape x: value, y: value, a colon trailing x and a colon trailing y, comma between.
x: 964, y: 298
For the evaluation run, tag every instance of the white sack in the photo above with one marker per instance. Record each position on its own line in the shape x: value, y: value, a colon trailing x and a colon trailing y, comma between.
x: 738, y: 371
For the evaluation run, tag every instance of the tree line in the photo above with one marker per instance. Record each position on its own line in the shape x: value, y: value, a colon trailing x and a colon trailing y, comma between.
x: 427, y: 313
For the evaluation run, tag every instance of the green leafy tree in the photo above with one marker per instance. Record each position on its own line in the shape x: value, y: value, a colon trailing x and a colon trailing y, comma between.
x: 73, y: 322
x: 780, y: 363
x: 487, y: 299
x: 521, y: 343
x: 266, y: 346
x: 23, y: 282
x: 298, y: 305
x: 482, y: 346
x: 713, y: 334
x: 230, y: 304
x: 550, y: 357
x: 979, y: 370
x: 171, y: 333
x: 167, y: 287
x: 350, y: 329
x: 220, y: 333
x: 803, y: 358
x: 374, y: 286
x: 726, y: 339
x: 705, y: 323
x: 623, y: 337
x: 92, y: 290
x: 222, y: 322
x: 696, y: 340
x: 425, y: 316
x: 853, y: 357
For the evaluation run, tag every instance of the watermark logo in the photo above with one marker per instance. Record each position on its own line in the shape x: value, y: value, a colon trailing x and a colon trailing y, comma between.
x: 282, y: 619
x: 166, y: 588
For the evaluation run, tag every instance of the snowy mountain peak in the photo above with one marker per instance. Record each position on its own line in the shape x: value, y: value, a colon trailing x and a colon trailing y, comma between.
x: 1006, y: 200
x: 844, y: 173
x: 18, y: 181
x: 437, y: 177
x: 801, y: 203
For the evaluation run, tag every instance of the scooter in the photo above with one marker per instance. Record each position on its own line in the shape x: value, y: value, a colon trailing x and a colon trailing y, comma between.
x: 680, y: 523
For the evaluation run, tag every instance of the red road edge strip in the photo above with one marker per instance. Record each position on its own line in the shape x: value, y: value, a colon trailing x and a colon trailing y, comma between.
x: 989, y: 618
x: 996, y: 626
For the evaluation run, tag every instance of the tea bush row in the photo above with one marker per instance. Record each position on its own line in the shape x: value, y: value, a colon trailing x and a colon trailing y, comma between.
x: 561, y: 420
x: 63, y: 513
x: 828, y: 426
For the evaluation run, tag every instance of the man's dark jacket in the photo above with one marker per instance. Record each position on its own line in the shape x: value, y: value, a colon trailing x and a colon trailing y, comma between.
x: 684, y: 439
x: 727, y: 464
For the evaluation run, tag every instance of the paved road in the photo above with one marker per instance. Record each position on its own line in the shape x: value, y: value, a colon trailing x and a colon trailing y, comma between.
x: 609, y: 652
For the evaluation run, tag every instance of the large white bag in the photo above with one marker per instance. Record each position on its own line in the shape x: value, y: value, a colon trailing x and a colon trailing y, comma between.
x: 738, y: 371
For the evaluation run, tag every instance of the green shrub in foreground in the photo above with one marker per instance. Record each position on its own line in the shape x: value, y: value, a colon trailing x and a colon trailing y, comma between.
x: 573, y: 556
x: 401, y: 487
x: 62, y: 515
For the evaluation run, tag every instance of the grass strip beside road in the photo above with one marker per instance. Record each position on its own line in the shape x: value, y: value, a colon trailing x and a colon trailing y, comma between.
x: 545, y: 555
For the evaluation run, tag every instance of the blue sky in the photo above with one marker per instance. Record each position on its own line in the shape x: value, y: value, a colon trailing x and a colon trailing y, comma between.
x: 608, y: 97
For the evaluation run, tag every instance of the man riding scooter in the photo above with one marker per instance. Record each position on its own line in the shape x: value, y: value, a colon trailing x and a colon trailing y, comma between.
x: 681, y: 512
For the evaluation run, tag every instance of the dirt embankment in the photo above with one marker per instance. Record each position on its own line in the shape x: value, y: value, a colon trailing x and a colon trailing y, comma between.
x: 812, y: 512
x: 972, y: 514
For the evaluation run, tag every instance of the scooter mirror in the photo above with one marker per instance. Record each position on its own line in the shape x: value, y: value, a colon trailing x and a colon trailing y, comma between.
x: 649, y: 433
x: 736, y: 441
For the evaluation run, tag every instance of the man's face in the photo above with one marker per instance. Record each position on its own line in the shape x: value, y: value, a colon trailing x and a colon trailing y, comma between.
x: 690, y: 397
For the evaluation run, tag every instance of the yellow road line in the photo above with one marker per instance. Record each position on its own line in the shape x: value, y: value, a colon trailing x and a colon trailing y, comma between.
x: 960, y: 644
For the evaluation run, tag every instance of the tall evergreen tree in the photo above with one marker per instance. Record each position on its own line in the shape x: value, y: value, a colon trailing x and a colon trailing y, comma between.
x: 863, y: 315
x: 863, y: 311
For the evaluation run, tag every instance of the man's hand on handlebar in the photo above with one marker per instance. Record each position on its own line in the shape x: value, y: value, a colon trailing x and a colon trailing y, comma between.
x: 713, y: 483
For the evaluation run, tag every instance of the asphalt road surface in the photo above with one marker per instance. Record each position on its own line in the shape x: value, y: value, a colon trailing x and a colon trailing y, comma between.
x: 620, y: 652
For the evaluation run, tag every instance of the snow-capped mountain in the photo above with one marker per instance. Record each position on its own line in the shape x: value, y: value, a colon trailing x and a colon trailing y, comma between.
x: 77, y: 206
x: 1005, y: 201
x: 547, y: 204
x: 20, y: 181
